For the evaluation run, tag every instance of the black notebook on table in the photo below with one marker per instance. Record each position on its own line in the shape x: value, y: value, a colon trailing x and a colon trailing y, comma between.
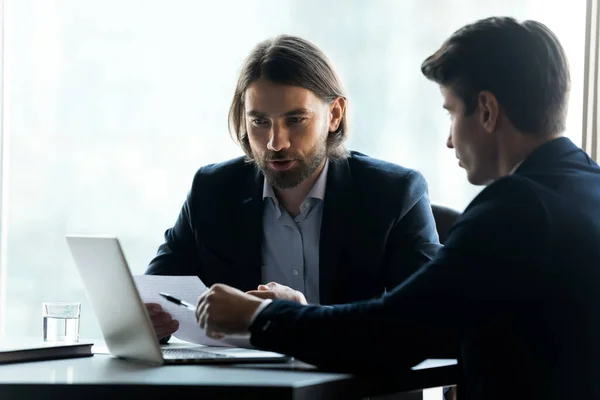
x: 21, y: 351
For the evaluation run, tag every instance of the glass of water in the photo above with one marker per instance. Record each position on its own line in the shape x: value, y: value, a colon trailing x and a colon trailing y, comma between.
x: 61, y: 321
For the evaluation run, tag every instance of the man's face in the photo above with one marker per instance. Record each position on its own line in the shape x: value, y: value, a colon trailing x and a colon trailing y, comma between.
x: 473, y: 145
x: 287, y: 130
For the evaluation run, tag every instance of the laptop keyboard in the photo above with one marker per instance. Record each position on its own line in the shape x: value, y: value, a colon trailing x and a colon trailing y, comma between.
x: 176, y: 354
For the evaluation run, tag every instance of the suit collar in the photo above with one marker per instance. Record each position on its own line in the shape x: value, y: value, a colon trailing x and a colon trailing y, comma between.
x: 338, y: 204
x: 547, y: 153
x: 251, y: 231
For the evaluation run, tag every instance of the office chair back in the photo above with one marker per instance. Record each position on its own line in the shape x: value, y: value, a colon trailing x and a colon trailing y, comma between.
x: 444, y: 219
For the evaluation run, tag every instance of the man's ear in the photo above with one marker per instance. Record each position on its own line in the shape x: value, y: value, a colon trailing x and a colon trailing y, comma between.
x: 489, y: 110
x: 337, y: 110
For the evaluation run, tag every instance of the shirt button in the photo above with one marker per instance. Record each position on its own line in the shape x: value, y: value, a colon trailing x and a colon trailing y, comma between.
x: 295, y: 271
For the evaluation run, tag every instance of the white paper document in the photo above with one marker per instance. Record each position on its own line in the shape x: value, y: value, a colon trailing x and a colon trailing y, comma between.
x: 187, y: 288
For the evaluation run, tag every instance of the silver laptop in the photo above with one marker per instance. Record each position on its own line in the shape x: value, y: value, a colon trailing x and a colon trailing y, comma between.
x: 123, y: 318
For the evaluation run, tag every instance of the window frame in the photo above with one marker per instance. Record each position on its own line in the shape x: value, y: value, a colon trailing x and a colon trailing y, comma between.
x: 3, y: 180
x: 591, y: 81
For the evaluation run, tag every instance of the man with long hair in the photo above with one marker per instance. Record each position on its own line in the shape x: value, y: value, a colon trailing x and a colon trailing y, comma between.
x: 299, y: 217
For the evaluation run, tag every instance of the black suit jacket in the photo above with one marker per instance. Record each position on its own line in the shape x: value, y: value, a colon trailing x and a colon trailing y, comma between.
x: 514, y: 295
x: 377, y: 228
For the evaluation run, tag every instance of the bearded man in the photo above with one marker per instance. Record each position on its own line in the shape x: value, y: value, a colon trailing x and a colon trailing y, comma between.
x: 299, y: 217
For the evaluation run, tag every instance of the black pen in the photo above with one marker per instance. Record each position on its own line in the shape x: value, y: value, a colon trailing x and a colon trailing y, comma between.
x: 178, y: 302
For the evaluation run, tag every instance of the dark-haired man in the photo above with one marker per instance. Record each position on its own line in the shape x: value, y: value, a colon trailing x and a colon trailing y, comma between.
x: 515, y: 288
x: 299, y: 217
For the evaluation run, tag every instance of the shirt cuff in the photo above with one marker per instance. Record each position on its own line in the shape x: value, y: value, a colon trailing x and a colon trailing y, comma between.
x: 262, y: 306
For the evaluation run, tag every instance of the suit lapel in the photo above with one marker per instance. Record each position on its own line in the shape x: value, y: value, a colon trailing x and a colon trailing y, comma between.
x: 548, y: 153
x: 334, y: 225
x: 251, y: 231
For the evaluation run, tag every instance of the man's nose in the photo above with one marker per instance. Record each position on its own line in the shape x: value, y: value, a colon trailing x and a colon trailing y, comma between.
x: 279, y: 140
x: 449, y: 143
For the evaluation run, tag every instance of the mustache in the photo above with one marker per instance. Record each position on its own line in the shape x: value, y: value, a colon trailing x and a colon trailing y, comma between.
x: 279, y: 156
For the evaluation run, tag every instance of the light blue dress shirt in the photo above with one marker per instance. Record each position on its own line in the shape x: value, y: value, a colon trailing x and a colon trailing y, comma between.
x: 290, y: 245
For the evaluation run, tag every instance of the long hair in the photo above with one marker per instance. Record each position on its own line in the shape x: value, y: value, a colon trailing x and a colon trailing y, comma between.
x: 288, y: 60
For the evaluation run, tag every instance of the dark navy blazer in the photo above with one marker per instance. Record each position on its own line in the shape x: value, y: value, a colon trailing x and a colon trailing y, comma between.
x: 514, y: 294
x: 377, y: 228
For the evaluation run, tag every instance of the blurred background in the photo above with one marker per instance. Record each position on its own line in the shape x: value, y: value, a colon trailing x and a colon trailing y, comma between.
x: 111, y: 106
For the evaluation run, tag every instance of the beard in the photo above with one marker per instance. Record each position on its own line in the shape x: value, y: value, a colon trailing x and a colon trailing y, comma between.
x: 304, y: 168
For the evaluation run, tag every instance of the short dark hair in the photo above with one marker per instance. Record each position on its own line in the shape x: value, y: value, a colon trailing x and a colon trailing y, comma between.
x: 522, y: 64
x: 289, y: 60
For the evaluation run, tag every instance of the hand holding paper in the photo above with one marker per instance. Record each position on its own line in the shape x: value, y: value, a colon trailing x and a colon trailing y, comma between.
x: 226, y: 310
x: 188, y: 289
x: 163, y: 323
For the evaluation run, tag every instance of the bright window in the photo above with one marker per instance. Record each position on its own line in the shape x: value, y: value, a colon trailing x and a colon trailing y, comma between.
x: 111, y: 106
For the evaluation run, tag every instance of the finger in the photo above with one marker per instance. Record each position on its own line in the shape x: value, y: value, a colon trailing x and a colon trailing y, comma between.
x: 210, y: 328
x: 166, y: 330
x: 202, y: 300
x: 153, y: 308
x: 202, y: 319
x: 161, y: 318
x: 200, y: 309
x: 202, y: 297
x: 160, y: 325
x: 263, y: 287
x: 202, y: 314
x: 267, y: 294
x: 215, y: 335
x: 278, y: 286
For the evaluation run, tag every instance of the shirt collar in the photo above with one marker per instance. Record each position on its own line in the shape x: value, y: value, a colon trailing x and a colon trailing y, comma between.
x: 316, y: 192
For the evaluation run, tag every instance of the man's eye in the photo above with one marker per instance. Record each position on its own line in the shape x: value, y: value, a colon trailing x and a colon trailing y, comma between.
x: 297, y: 120
x: 259, y: 121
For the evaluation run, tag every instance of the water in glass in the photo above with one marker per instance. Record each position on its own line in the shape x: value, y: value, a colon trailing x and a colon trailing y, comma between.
x: 61, y: 329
